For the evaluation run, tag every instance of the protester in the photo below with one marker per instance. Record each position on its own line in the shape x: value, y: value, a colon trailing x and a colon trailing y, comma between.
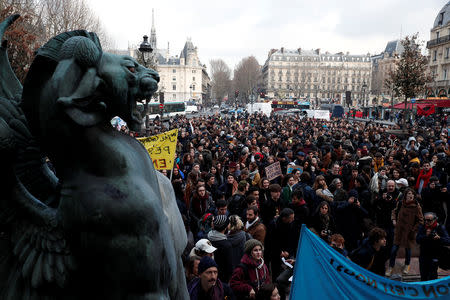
x: 252, y: 273
x: 254, y: 226
x: 341, y: 151
x: 224, y: 253
x: 208, y: 285
x: 237, y: 237
x: 431, y: 237
x: 369, y: 255
x: 406, y: 218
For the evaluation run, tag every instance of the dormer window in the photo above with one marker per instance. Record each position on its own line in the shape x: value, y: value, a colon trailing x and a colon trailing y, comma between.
x: 441, y: 18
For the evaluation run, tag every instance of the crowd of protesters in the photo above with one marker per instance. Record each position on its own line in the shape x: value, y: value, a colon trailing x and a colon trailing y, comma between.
x: 364, y: 188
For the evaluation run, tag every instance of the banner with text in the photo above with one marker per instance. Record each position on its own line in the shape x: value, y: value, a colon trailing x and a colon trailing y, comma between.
x: 320, y: 272
x: 161, y: 148
x: 273, y: 171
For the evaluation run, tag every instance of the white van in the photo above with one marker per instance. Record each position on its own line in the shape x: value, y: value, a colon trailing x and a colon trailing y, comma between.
x: 265, y: 108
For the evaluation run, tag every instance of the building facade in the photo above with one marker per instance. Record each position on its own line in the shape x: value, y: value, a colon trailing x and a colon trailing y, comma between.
x: 317, y: 77
x: 182, y: 77
x: 439, y: 54
x: 382, y: 64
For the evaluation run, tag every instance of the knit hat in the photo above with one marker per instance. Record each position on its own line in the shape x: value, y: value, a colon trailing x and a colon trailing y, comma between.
x: 250, y: 244
x: 205, y: 263
x: 220, y: 222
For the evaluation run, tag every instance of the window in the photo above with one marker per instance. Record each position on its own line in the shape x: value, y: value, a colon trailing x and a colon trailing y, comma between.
x: 174, y: 96
x: 445, y: 74
x: 193, y: 78
x: 193, y: 87
x: 437, y: 35
x: 174, y: 87
x: 441, y: 18
x: 434, y: 55
x: 174, y: 70
x: 193, y: 71
x: 447, y: 52
x: 174, y: 78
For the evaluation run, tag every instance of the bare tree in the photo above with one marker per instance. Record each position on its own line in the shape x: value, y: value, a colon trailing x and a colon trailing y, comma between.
x: 220, y: 79
x: 410, y: 75
x: 247, y: 76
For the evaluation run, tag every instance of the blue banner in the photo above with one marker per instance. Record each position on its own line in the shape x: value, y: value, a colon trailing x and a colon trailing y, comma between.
x: 320, y: 272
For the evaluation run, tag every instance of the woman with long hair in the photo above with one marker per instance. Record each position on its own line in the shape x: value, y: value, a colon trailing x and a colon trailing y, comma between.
x: 406, y: 218
x: 200, y: 204
x: 323, y: 222
x: 321, y: 188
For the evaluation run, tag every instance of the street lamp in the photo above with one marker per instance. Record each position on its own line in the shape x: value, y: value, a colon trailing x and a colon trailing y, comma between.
x: 364, y: 86
x: 190, y: 90
x: 145, y: 49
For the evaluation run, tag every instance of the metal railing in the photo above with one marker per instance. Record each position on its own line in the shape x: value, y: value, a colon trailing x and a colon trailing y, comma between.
x: 438, y: 41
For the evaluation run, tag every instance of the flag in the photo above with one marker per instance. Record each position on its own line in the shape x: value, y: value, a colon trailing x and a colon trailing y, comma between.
x: 320, y: 272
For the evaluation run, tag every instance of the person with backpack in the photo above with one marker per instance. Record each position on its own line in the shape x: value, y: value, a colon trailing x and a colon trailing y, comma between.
x: 251, y: 273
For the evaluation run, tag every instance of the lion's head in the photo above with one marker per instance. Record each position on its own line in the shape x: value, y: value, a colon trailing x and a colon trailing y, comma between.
x: 72, y: 76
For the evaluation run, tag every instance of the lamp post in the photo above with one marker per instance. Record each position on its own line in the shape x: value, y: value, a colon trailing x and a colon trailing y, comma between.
x: 190, y: 92
x: 146, y: 49
x: 364, y: 86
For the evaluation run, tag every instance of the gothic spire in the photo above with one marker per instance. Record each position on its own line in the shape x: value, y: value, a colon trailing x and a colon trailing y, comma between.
x: 153, y: 32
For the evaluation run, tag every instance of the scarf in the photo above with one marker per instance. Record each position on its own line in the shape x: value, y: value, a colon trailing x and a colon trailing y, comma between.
x: 248, y: 225
x: 422, y: 180
x: 432, y: 226
x: 251, y: 175
x: 261, y: 265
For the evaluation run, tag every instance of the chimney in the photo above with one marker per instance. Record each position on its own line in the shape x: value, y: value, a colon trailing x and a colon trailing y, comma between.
x: 299, y: 50
x: 318, y: 51
x: 282, y: 49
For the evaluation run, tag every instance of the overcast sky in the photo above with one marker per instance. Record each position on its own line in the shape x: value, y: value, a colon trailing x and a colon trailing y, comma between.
x: 232, y: 30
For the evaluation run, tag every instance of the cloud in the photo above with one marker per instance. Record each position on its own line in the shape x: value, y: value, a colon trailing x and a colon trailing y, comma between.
x: 233, y: 29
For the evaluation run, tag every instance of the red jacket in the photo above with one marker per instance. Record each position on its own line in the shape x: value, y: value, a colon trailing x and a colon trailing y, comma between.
x: 242, y: 283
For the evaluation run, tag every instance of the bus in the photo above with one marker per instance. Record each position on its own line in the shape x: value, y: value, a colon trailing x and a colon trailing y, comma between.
x: 287, y: 105
x: 170, y: 109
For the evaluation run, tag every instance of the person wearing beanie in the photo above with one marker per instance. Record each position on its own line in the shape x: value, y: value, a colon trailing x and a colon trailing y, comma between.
x: 207, y: 285
x: 224, y: 253
x: 251, y: 273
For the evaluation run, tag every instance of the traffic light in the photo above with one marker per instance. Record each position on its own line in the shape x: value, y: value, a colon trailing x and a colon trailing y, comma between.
x: 161, y: 97
x: 236, y: 94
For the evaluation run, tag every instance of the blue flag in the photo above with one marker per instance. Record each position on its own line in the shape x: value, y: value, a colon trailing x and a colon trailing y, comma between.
x: 320, y: 272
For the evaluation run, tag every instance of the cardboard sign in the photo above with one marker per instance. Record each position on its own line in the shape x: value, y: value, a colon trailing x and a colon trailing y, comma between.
x: 161, y: 148
x: 273, y: 171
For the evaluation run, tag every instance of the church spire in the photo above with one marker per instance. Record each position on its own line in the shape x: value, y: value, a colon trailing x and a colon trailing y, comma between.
x: 153, y: 32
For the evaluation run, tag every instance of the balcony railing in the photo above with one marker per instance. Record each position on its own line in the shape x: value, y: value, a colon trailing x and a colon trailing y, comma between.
x: 438, y: 41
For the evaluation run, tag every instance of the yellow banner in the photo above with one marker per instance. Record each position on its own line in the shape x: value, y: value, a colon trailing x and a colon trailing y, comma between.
x: 161, y: 148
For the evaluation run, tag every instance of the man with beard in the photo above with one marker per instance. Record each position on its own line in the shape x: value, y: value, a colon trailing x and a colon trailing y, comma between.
x: 254, y: 226
x: 208, y: 286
